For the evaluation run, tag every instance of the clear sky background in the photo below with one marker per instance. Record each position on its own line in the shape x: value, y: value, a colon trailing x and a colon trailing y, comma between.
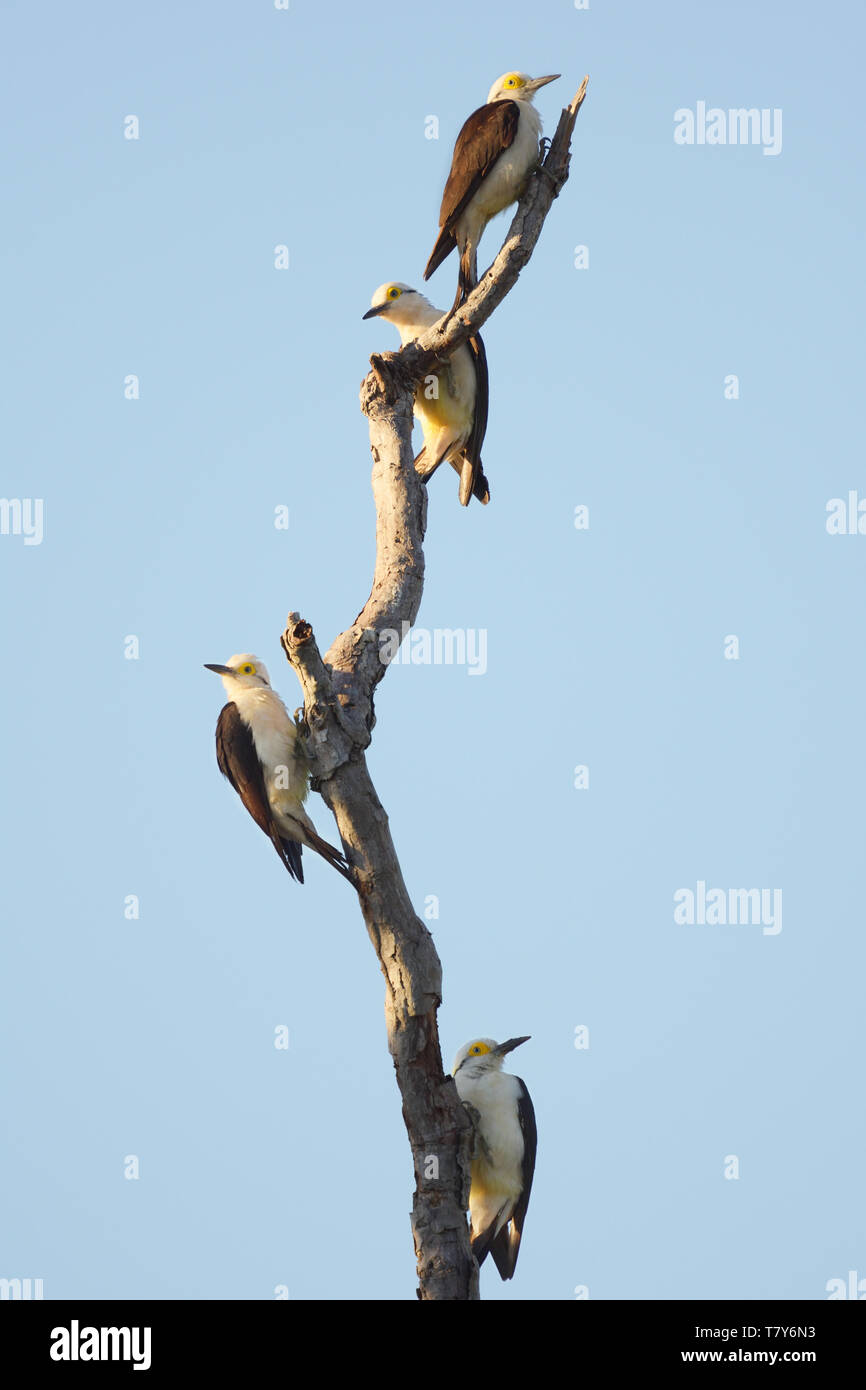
x: 605, y: 647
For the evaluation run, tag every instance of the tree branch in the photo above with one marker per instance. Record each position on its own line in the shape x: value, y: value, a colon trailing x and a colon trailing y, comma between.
x: 339, y: 717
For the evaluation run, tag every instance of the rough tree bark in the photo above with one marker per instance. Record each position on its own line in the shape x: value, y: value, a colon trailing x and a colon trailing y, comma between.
x: 337, y: 725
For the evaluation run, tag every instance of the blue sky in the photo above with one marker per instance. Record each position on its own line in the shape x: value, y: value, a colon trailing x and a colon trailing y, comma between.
x: 154, y: 257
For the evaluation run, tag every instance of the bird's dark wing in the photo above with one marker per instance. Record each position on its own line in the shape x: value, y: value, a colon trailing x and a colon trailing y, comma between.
x: 239, y: 762
x: 501, y: 1252
x: 487, y: 132
x: 479, y: 485
x: 506, y: 1247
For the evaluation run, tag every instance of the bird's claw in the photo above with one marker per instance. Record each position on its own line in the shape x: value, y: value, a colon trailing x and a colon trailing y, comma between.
x: 557, y: 182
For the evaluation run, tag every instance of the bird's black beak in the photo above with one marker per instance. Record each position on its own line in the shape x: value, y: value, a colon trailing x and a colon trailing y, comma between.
x: 511, y: 1044
x: 543, y: 81
x: 379, y: 309
x: 220, y: 670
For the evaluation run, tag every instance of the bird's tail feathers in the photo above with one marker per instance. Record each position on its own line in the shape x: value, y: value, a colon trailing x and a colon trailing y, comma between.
x: 468, y: 276
x: 423, y: 467
x: 331, y: 855
x: 290, y: 853
x: 481, y: 1244
x: 445, y: 244
x: 427, y: 462
x: 472, y: 480
x: 490, y: 1241
x: 504, y: 1250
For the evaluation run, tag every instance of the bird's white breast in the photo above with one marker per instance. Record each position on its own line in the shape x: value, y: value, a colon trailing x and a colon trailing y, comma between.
x: 446, y: 404
x: 453, y: 404
x: 274, y: 736
x: 497, y: 1169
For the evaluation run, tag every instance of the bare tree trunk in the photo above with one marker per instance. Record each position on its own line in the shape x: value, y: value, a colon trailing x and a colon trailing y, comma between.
x: 339, y: 718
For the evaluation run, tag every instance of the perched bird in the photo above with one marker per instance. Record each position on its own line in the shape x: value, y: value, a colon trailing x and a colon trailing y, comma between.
x: 495, y: 153
x: 259, y: 751
x: 505, y: 1144
x: 453, y: 412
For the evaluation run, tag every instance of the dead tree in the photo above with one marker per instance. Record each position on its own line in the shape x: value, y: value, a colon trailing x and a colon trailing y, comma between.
x: 337, y: 727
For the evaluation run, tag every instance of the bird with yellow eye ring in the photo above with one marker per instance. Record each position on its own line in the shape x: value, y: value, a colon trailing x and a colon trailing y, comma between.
x: 494, y: 155
x: 503, y: 1161
x: 451, y: 405
x: 260, y: 753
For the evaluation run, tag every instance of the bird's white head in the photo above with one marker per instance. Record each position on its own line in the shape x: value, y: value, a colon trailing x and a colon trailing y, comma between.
x: 242, y: 672
x: 517, y: 86
x: 399, y: 303
x: 483, y: 1055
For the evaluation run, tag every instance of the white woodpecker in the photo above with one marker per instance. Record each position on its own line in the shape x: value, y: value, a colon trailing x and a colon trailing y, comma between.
x: 259, y: 751
x: 495, y: 153
x: 452, y: 404
x: 505, y: 1142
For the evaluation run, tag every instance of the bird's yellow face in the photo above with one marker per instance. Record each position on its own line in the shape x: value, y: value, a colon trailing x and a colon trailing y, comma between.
x: 387, y: 298
x: 484, y: 1055
x: 479, y: 1048
x: 243, y: 669
x: 517, y: 86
